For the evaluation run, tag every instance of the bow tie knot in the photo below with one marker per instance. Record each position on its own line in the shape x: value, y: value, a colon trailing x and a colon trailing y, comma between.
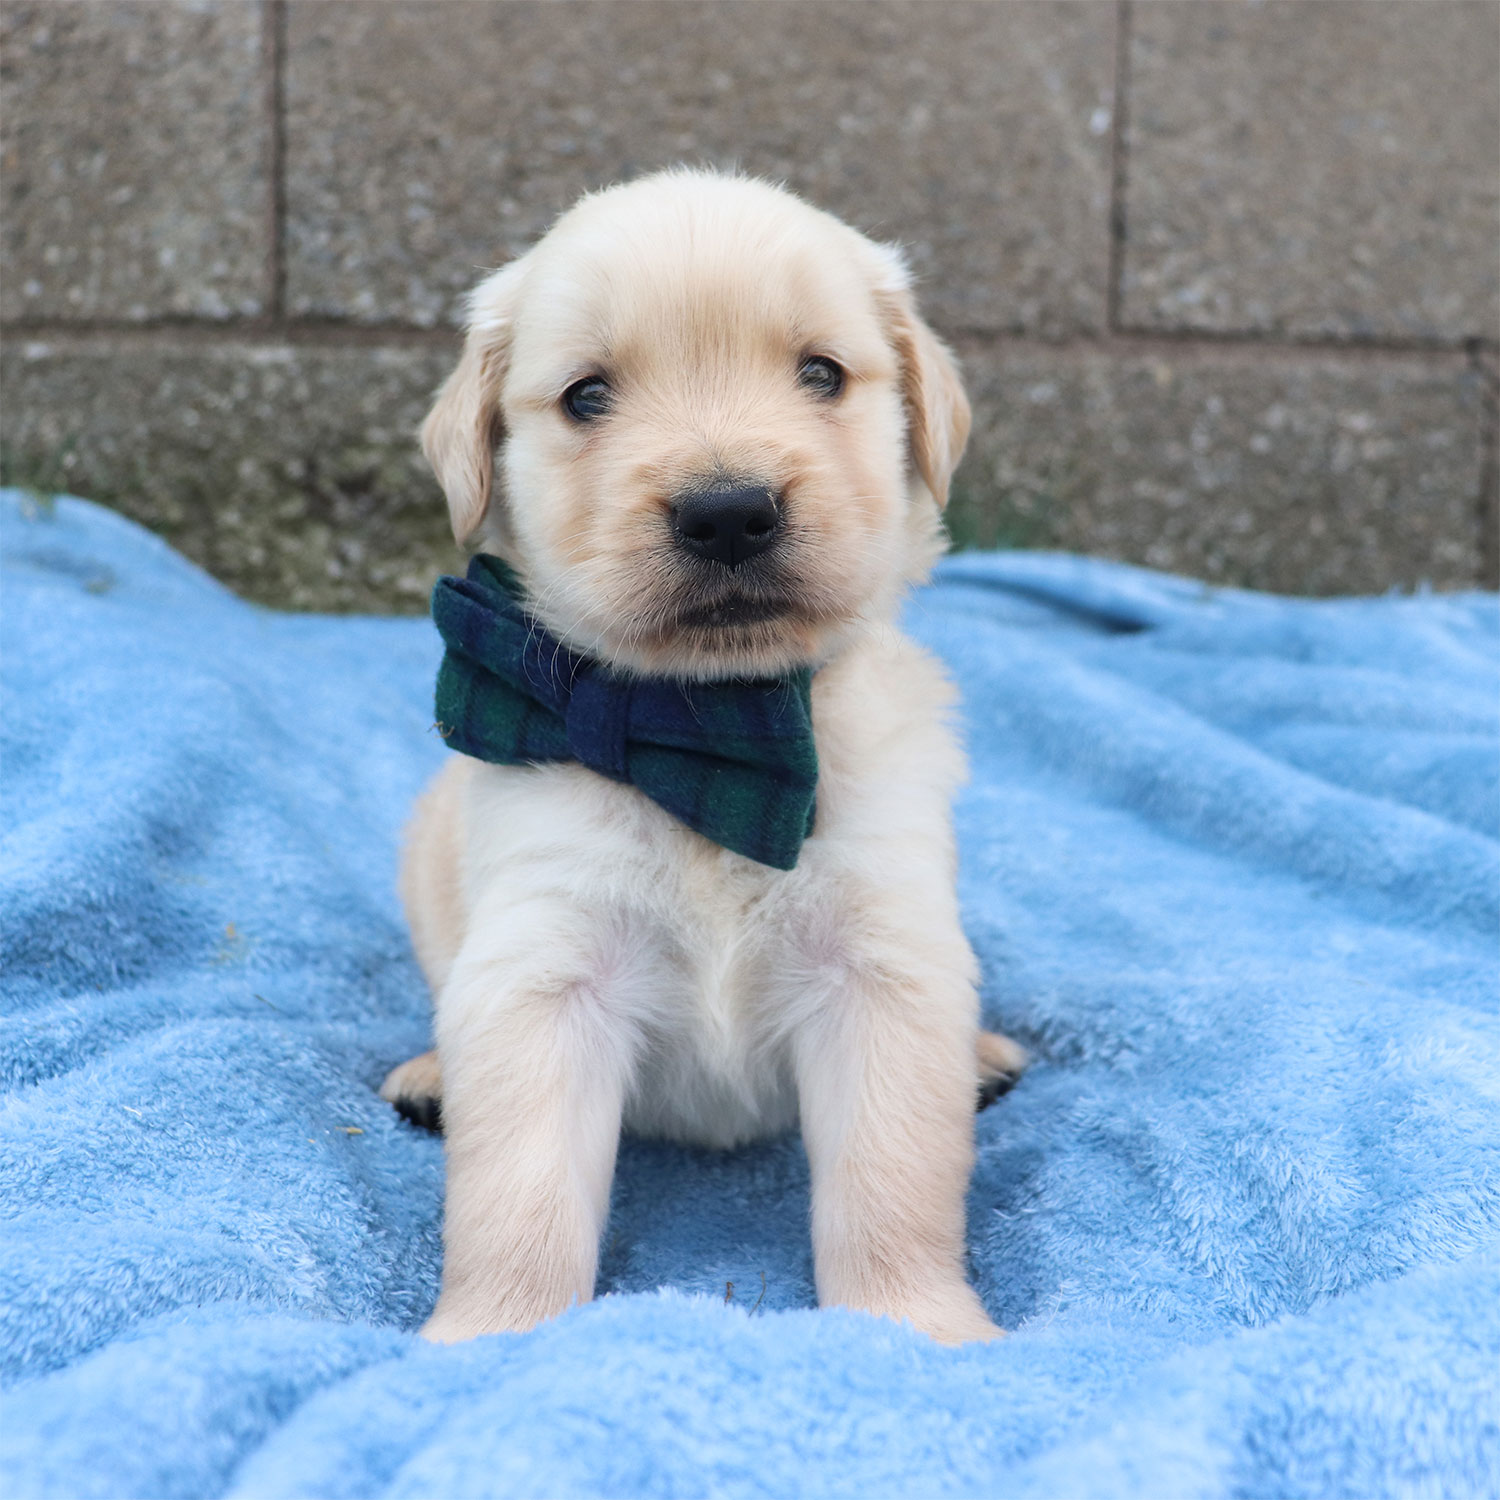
x: 735, y: 761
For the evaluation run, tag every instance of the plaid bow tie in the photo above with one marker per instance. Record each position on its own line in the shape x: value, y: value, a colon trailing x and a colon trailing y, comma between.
x: 733, y: 760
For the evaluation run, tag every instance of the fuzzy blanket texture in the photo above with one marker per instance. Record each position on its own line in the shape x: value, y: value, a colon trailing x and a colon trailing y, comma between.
x: 1232, y: 867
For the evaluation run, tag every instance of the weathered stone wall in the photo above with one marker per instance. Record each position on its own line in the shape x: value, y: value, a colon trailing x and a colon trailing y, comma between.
x: 1225, y: 276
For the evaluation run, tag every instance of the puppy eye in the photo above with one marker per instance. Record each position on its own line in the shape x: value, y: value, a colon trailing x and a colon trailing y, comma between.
x: 587, y: 399
x: 821, y: 376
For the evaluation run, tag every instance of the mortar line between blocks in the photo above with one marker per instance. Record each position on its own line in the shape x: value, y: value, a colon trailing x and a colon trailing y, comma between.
x: 334, y: 333
x: 1118, y: 168
x: 273, y: 70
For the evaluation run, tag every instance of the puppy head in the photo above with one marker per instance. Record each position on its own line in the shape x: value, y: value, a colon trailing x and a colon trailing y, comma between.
x: 705, y: 423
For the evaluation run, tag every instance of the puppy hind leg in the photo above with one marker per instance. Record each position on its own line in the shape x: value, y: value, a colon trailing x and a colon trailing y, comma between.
x: 431, y: 892
x: 415, y: 1090
x: 431, y: 880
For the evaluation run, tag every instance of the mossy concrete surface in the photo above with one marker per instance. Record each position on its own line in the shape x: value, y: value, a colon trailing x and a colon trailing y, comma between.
x: 1239, y: 466
x: 292, y: 474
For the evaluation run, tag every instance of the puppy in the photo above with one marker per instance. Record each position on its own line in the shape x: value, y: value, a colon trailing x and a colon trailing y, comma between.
x: 704, y: 424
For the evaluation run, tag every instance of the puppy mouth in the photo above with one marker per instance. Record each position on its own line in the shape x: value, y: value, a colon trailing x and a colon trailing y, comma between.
x: 738, y: 609
x: 756, y: 618
x: 712, y: 601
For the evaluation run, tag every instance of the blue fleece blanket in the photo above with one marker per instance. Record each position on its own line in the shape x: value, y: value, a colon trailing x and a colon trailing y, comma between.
x: 1232, y: 867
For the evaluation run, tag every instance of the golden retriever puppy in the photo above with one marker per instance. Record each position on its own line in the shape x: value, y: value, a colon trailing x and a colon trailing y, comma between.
x: 705, y: 426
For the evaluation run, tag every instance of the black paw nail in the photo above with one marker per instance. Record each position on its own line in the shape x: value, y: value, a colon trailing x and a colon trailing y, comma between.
x: 425, y: 1113
x: 992, y: 1088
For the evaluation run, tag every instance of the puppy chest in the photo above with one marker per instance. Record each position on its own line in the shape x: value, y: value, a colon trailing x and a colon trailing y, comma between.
x: 716, y: 1063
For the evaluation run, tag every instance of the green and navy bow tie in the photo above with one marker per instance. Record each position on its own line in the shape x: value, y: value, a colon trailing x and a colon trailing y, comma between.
x: 733, y: 760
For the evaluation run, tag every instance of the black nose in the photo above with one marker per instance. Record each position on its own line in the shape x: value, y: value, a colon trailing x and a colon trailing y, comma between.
x: 727, y: 523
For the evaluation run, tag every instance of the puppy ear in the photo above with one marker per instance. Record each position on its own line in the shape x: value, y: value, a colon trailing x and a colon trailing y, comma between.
x: 937, y: 410
x: 464, y: 427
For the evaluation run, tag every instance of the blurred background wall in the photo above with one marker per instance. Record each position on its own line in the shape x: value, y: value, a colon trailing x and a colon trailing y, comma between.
x: 1225, y: 276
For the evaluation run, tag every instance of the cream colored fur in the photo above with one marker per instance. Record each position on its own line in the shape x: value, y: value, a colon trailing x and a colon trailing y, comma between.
x: 596, y: 964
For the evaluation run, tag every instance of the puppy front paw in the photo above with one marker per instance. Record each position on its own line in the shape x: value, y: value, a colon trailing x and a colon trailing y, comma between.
x: 461, y: 1316
x: 415, y: 1090
x: 951, y: 1314
x: 962, y: 1330
x: 448, y: 1326
x: 958, y: 1318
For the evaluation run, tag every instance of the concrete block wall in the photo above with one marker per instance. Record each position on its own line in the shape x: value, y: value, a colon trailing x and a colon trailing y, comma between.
x: 1225, y: 276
